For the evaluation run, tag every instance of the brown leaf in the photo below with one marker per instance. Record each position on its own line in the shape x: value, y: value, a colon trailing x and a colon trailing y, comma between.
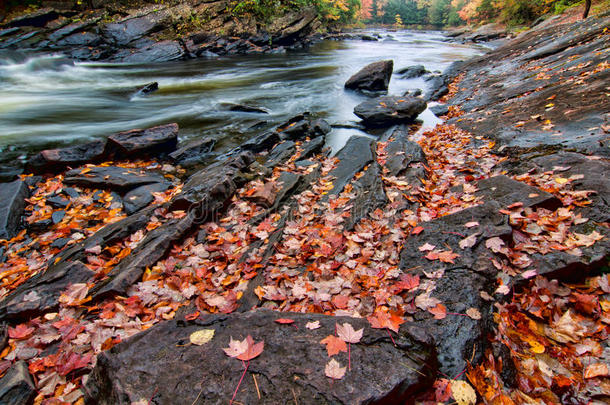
x: 348, y: 334
x: 334, y: 370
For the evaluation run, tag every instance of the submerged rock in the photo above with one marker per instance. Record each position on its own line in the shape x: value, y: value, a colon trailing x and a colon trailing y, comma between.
x: 373, y: 77
x: 411, y: 72
x: 291, y: 365
x: 12, y: 204
x: 389, y: 110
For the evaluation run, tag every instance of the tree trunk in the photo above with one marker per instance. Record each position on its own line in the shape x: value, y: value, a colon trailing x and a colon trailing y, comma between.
x: 587, y: 9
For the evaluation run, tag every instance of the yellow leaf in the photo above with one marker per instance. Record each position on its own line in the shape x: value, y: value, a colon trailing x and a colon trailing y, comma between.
x: 201, y: 337
x: 561, y: 180
x: 536, y: 347
x: 463, y: 393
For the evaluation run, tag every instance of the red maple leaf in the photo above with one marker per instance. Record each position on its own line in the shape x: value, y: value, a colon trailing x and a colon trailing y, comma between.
x: 334, y: 345
x: 381, y: 320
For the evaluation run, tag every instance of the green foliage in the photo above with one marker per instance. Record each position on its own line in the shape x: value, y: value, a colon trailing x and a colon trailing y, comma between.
x: 343, y: 11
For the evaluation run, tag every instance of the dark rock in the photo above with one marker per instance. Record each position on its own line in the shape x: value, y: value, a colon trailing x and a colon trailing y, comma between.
x: 506, y: 191
x: 209, y: 190
x: 70, y: 192
x: 12, y: 204
x: 293, y: 26
x: 413, y: 93
x: 40, y: 226
x: 440, y: 109
x: 149, y: 251
x: 193, y: 152
x: 71, y: 29
x: 368, y: 38
x: 57, y: 216
x: 163, y: 51
x: 18, y: 39
x: 353, y: 157
x: 244, y: 108
x: 9, y: 31
x: 312, y: 147
x: 32, y: 181
x: 60, y: 243
x: 130, y: 29
x: 147, y: 89
x: 161, y: 356
x: 143, y: 142
x: 402, y: 154
x: 142, y: 196
x: 438, y: 86
x: 39, y: 18
x: 3, y: 335
x: 17, y: 387
x: 374, y: 77
x: 389, y: 110
x: 369, y: 195
x: 202, y: 236
x: 282, y: 152
x: 262, y: 142
x: 53, y: 160
x: 411, y: 72
x: 301, y: 126
x: 40, y: 293
x: 58, y: 202
x: 88, y: 39
x: 111, y: 177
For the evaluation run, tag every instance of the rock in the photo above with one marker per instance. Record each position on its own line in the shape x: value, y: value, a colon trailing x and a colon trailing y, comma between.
x: 402, y: 155
x: 440, y: 109
x: 369, y: 38
x: 280, y: 153
x: 261, y: 142
x: 130, y: 29
x: 244, y: 108
x: 143, y: 142
x: 353, y: 157
x: 54, y: 160
x: 486, y: 33
x: 57, y: 216
x: 389, y: 110
x: 39, y: 18
x: 88, y: 39
x: 17, y: 387
x: 411, y: 72
x: 72, y: 29
x: 3, y: 335
x: 506, y: 191
x: 12, y: 204
x: 290, y: 366
x: 9, y: 31
x: 141, y: 197
x: 111, y: 177
x: 58, y: 202
x: 370, y: 195
x: 193, y: 152
x: 302, y: 126
x: 149, y: 251
x: 293, y: 26
x: 41, y: 292
x: 264, y: 196
x: 373, y: 77
x: 163, y: 51
x: 147, y: 89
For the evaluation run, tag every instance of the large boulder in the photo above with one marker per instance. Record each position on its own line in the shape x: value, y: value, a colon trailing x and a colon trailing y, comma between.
x: 373, y: 77
x: 389, y: 110
x: 52, y: 160
x: 12, y: 203
x: 161, y: 362
x: 143, y: 142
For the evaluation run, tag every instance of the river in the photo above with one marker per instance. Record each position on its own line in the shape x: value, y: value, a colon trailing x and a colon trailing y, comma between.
x: 47, y: 101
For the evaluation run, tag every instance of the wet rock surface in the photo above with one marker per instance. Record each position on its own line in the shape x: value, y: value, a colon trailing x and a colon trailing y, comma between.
x: 111, y: 177
x: 52, y: 160
x: 12, y: 204
x: 291, y: 365
x: 143, y: 142
x: 193, y: 152
x: 389, y: 110
x: 373, y: 77
x: 141, y: 197
x: 411, y: 72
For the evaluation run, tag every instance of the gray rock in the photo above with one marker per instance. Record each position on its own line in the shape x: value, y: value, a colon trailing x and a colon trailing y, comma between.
x: 143, y: 142
x: 132, y: 28
x: 244, y: 108
x: 506, y: 191
x: 12, y: 204
x: 111, y: 177
x: 17, y: 387
x: 290, y: 366
x: 53, y: 160
x: 370, y: 195
x: 388, y: 110
x: 373, y: 77
x: 141, y: 197
x: 440, y: 109
x: 38, y: 18
x: 411, y: 72
x: 193, y: 152
x: 163, y: 51
x: 147, y: 89
x: 353, y: 157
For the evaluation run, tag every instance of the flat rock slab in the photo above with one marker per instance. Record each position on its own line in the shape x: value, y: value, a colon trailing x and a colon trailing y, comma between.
x: 373, y: 77
x: 17, y: 387
x: 142, y: 196
x: 41, y: 292
x: 111, y: 177
x: 130, y: 29
x: 52, y: 160
x: 506, y: 191
x: 12, y: 204
x: 139, y: 142
x: 389, y: 110
x: 161, y: 364
x: 193, y: 152
x: 353, y: 157
x: 163, y: 51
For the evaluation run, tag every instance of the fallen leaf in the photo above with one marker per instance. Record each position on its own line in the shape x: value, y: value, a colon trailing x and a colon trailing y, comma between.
x: 474, y: 313
x: 494, y: 244
x: 463, y: 393
x: 469, y: 241
x: 334, y: 345
x: 334, y: 370
x: 381, y: 320
x: 284, y: 321
x: 425, y: 301
x: 348, y: 334
x: 439, y: 311
x: 471, y: 224
x: 313, y: 325
x: 596, y: 370
x: 426, y: 247
x: 20, y: 331
x: 447, y: 256
x: 417, y: 230
x: 236, y: 347
x: 201, y: 337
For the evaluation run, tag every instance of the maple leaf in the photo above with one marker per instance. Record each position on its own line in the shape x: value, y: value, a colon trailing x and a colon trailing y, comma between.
x: 597, y: 370
x: 334, y: 370
x: 21, y: 331
x: 432, y: 256
x: 334, y: 345
x: 381, y: 320
x: 471, y: 224
x: 425, y: 301
x: 201, y: 337
x: 469, y: 241
x: 426, y: 247
x: 417, y: 230
x: 474, y: 313
x: 284, y: 321
x: 447, y: 256
x: 236, y: 347
x: 494, y: 244
x: 439, y: 311
x: 348, y: 334
x: 252, y: 350
x: 463, y: 393
x: 313, y: 325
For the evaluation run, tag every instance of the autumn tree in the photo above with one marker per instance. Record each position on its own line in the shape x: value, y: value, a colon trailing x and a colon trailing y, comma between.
x: 585, y: 14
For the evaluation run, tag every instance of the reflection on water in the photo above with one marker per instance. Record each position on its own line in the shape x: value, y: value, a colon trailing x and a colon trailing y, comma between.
x: 48, y: 101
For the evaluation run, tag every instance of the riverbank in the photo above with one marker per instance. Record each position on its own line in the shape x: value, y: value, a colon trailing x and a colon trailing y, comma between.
x: 444, y: 239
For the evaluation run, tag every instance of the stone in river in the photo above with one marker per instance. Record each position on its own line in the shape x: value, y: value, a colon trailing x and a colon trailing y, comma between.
x: 143, y: 142
x: 389, y: 110
x: 373, y: 77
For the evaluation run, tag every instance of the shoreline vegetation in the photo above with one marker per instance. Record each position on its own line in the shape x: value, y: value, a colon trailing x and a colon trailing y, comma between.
x: 467, y: 264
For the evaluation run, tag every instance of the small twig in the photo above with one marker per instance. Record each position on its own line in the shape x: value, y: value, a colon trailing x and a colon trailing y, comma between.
x: 258, y: 392
x: 412, y: 369
x: 349, y: 357
x: 198, y: 395
x: 153, y: 395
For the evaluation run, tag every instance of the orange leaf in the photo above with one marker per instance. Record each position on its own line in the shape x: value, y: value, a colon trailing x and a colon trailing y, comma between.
x: 284, y: 321
x: 334, y: 345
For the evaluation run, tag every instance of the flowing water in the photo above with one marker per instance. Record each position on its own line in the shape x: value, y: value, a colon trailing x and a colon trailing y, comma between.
x: 47, y: 101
